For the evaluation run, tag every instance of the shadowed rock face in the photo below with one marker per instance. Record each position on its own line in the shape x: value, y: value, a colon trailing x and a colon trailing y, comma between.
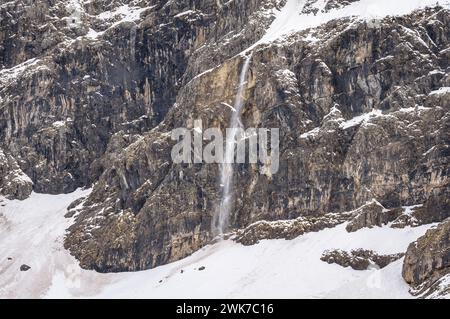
x: 63, y: 98
x: 427, y: 262
x: 360, y: 112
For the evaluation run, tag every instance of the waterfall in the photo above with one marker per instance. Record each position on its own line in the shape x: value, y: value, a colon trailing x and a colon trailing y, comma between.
x: 222, y: 215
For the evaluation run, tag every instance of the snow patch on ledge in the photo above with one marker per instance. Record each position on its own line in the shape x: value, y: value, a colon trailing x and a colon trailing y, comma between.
x: 311, y: 133
x: 442, y: 90
x: 11, y: 74
x: 122, y: 14
x: 360, y: 119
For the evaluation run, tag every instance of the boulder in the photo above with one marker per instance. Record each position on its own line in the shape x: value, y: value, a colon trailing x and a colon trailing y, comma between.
x: 24, y: 267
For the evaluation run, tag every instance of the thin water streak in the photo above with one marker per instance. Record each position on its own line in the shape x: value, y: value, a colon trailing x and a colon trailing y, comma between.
x: 222, y: 216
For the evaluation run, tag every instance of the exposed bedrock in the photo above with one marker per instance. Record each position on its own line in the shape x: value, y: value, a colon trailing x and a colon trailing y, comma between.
x: 427, y: 262
x: 90, y: 91
x: 74, y: 74
x: 359, y: 259
x: 361, y: 115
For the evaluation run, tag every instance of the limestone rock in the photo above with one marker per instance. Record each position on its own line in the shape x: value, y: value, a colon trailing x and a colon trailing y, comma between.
x: 314, y: 6
x: 427, y: 261
x: 359, y: 259
x: 440, y: 289
x: 358, y: 120
x: 72, y: 75
x: 14, y: 184
x: 288, y: 229
x: 89, y: 94
x: 369, y: 215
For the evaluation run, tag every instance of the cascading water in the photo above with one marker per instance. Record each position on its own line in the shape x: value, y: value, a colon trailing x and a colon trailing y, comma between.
x: 222, y: 215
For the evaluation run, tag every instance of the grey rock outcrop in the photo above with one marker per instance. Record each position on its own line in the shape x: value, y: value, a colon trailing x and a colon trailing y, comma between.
x: 14, y: 184
x: 359, y: 259
x: 427, y: 262
x: 369, y: 215
x: 288, y: 229
x: 373, y: 214
x: 440, y: 289
x: 101, y: 68
x: 315, y: 6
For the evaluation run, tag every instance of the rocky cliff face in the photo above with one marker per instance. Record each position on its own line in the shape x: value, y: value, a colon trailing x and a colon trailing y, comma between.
x: 13, y: 182
x: 102, y: 68
x: 427, y: 262
x: 362, y: 106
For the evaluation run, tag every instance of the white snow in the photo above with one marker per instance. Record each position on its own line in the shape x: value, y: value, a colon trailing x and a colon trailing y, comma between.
x: 14, y: 175
x: 124, y: 13
x: 128, y: 13
x: 229, y: 106
x: 436, y: 72
x: 58, y: 124
x: 184, y: 13
x: 31, y: 232
x: 442, y: 90
x: 75, y: 7
x: 311, y: 133
x: 290, y: 19
x: 11, y: 74
x: 442, y: 284
x: 6, y: 4
x: 360, y: 119
x: 417, y: 108
x: 20, y: 177
x: 410, y: 209
x: 92, y: 34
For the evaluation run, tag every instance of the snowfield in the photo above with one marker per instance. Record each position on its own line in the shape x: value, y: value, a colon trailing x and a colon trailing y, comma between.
x: 32, y: 232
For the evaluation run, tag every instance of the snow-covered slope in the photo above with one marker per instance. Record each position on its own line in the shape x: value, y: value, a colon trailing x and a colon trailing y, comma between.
x: 31, y: 233
x: 292, y: 17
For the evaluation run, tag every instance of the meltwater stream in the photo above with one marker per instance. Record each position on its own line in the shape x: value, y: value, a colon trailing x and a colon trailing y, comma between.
x: 222, y: 215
